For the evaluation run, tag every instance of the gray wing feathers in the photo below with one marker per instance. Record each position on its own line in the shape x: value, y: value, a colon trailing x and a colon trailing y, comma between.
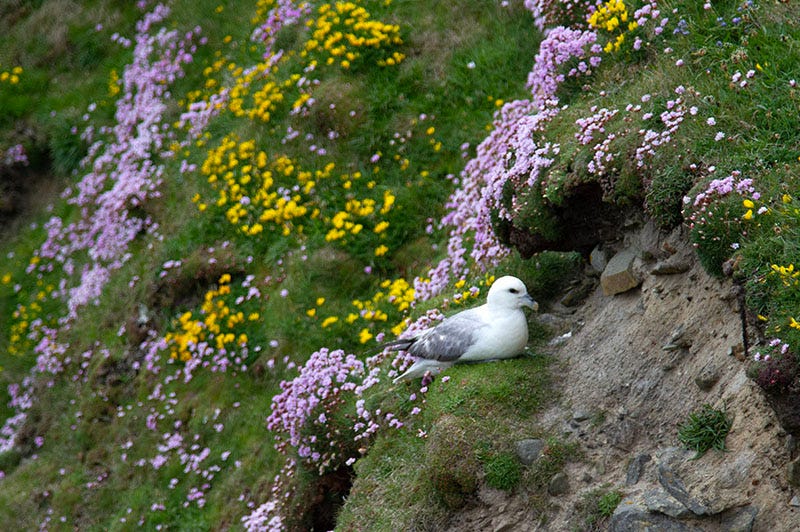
x: 449, y: 340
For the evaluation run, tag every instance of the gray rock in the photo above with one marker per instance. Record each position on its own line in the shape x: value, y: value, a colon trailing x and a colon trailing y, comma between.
x: 740, y: 520
x: 660, y: 501
x: 705, y: 486
x: 623, y: 434
x: 674, y: 485
x: 707, y: 377
x: 635, y: 469
x: 795, y: 501
x: 791, y: 444
x: 577, y: 294
x: 505, y: 524
x: 558, y: 485
x: 632, y: 517
x: 529, y: 451
x: 581, y: 415
x: 734, y: 474
x: 619, y: 275
x: 674, y: 264
x: 678, y: 339
x: 793, y: 473
x: 673, y: 358
x: 598, y: 259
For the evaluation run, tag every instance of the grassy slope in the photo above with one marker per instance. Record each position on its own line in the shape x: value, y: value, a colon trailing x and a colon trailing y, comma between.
x: 79, y: 472
x: 398, y: 489
x: 93, y: 428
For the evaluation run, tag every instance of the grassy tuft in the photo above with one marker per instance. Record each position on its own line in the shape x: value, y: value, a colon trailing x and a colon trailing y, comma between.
x: 705, y: 429
x: 503, y: 470
x: 595, y: 507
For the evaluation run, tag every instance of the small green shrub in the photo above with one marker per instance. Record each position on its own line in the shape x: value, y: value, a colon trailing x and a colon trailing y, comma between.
x: 705, y: 429
x: 555, y: 455
x: 66, y: 148
x: 552, y: 272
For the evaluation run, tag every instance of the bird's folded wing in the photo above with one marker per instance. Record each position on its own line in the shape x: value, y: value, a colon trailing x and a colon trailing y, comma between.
x: 450, y: 339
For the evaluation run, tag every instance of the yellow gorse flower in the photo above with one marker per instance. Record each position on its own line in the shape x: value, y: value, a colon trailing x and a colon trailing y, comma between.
x: 216, y: 324
x: 11, y: 76
x: 787, y: 274
x: 342, y: 29
x: 249, y: 192
x: 612, y: 17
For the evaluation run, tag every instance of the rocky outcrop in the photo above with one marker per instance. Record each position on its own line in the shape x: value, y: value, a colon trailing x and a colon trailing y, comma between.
x: 655, y: 341
x: 633, y: 363
x: 643, y: 359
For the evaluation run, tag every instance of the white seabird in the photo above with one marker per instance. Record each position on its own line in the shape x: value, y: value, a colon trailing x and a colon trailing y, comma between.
x: 495, y: 330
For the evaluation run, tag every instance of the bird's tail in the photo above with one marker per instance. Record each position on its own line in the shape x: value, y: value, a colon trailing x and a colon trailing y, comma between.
x: 398, y: 345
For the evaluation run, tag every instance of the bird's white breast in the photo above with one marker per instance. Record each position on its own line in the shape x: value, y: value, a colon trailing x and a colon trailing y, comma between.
x: 505, y: 337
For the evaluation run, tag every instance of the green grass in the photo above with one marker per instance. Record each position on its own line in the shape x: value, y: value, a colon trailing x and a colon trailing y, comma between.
x: 595, y: 507
x: 463, y: 438
x: 462, y: 445
x: 87, y: 435
x: 704, y: 430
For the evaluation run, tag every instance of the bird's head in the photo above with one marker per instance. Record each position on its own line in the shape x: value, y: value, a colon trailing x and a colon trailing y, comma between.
x: 510, y: 292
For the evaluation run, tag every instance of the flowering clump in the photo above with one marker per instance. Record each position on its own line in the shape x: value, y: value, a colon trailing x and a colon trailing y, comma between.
x: 30, y: 319
x: 775, y: 367
x: 612, y: 18
x: 258, y: 193
x: 357, y: 214
x: 774, y: 289
x: 671, y: 120
x: 396, y: 298
x: 344, y: 31
x: 303, y: 413
x: 560, y: 46
x: 714, y: 218
x: 217, y: 330
x: 10, y: 76
x: 549, y: 13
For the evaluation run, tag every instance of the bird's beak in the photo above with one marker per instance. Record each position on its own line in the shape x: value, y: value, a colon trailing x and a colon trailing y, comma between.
x: 528, y: 301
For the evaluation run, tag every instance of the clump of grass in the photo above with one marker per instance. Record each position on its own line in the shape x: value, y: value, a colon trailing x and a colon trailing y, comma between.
x: 452, y: 465
x: 608, y: 502
x: 555, y: 455
x: 705, y: 429
x: 596, y: 507
x: 503, y: 470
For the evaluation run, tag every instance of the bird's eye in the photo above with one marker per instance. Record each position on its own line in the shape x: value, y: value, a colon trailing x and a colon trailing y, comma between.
x: 513, y: 290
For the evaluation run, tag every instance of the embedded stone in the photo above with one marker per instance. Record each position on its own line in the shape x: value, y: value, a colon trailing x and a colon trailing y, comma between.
x: 793, y: 473
x: 636, y: 468
x: 633, y: 516
x: 619, y: 275
x: 559, y: 484
x: 707, y: 377
x: 529, y: 450
x: 660, y: 501
x: 598, y: 259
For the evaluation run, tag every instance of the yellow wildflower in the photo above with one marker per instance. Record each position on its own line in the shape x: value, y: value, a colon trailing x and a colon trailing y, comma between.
x: 330, y: 320
x: 364, y: 336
